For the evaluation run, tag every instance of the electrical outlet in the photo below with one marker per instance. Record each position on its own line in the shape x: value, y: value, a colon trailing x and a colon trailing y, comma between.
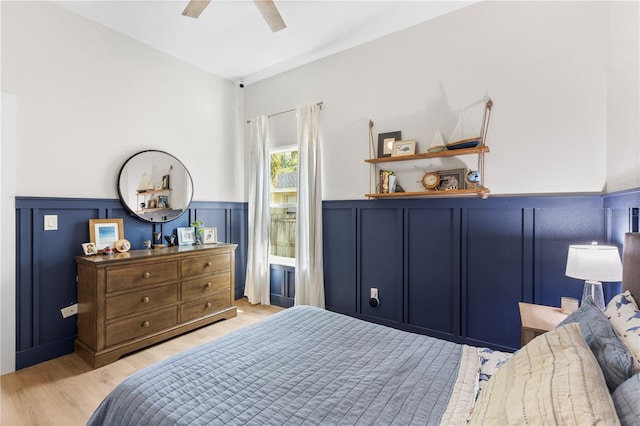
x: 69, y: 310
x: 374, y: 302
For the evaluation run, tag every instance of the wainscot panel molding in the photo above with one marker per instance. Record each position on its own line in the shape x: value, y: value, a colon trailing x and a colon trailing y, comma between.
x: 456, y: 268
x: 453, y: 268
x: 622, y: 212
x: 282, y: 282
x: 45, y: 261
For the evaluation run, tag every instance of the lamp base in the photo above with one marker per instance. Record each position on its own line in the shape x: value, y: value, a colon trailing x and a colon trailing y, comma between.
x: 593, y: 289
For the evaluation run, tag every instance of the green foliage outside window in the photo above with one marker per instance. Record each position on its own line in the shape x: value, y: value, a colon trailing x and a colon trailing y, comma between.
x: 283, y: 162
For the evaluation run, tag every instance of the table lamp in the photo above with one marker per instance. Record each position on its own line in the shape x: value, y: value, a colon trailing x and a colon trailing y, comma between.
x: 594, y: 264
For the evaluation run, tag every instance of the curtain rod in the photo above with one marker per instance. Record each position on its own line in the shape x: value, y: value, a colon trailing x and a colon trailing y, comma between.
x: 318, y: 104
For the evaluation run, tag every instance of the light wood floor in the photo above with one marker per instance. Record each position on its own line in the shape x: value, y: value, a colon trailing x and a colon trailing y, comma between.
x: 65, y: 391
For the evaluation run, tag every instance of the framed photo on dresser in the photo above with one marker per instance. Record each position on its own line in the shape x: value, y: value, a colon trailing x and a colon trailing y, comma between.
x: 105, y: 232
x: 210, y: 235
x: 186, y: 236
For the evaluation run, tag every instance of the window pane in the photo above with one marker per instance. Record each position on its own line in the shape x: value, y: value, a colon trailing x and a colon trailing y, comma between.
x: 283, y: 232
x: 284, y: 195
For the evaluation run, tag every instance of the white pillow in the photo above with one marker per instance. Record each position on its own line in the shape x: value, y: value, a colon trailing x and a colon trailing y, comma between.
x: 624, y: 315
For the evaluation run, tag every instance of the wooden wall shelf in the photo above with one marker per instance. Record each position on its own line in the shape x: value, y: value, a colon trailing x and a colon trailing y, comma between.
x: 482, y: 192
x: 447, y: 153
x: 480, y: 149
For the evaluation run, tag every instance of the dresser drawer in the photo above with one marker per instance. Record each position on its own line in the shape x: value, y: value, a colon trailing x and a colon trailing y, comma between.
x: 126, y: 277
x: 201, y: 308
x: 143, y: 300
x: 200, y: 287
x: 195, y: 266
x: 141, y: 325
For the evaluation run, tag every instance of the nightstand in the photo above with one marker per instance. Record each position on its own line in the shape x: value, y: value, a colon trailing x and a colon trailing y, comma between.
x: 537, y: 319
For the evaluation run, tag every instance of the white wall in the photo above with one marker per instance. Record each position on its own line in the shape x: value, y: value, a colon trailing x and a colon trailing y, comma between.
x: 543, y: 63
x: 623, y: 97
x: 7, y: 234
x: 87, y: 98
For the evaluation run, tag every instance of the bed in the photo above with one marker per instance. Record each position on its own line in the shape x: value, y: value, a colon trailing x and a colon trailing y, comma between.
x: 310, y: 366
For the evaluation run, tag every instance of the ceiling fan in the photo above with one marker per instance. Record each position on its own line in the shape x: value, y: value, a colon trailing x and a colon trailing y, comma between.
x: 267, y: 8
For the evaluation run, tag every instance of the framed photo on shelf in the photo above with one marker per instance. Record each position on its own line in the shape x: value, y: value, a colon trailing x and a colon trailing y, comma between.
x: 385, y: 143
x: 452, y: 179
x: 165, y: 181
x: 105, y: 232
x: 401, y: 148
x: 210, y: 235
x: 163, y: 201
x: 186, y: 236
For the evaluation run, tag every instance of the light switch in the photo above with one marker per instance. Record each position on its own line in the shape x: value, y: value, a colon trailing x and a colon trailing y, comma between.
x: 50, y: 222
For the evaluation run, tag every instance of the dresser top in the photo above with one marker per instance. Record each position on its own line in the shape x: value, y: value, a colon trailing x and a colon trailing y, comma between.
x: 153, y: 253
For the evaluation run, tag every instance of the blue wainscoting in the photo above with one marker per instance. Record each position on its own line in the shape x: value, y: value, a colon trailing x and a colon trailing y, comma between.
x: 282, y: 285
x: 452, y: 268
x: 455, y: 268
x: 46, y: 269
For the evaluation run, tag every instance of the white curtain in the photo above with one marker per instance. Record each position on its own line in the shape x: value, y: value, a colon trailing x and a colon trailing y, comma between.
x: 309, y: 264
x: 257, y: 281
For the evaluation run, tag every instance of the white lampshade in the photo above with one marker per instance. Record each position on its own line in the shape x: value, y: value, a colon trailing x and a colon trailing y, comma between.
x: 594, y: 263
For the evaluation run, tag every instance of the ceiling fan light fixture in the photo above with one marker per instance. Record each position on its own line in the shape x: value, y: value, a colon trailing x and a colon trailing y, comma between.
x: 195, y: 8
x: 267, y: 9
x: 270, y: 13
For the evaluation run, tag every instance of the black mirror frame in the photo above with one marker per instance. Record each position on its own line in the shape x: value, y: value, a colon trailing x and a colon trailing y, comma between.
x: 132, y: 211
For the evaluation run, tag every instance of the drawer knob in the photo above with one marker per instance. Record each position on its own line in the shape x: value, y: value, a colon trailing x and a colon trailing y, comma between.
x: 147, y: 275
x: 208, y: 305
x: 209, y: 263
x: 145, y: 299
x: 208, y: 284
x: 145, y: 324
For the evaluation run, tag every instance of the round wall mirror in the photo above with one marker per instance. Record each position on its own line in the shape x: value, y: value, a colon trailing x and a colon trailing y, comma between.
x: 155, y: 186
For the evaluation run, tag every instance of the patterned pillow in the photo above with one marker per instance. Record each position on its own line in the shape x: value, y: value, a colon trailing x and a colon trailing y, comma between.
x: 624, y: 315
x: 490, y: 362
x: 615, y: 360
x: 627, y: 401
x: 618, y: 300
x: 554, y: 379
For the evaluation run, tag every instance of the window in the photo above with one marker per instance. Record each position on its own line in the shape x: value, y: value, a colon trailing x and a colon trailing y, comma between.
x: 284, y: 197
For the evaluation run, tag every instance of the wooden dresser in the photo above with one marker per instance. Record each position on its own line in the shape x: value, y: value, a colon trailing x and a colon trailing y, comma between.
x: 127, y: 301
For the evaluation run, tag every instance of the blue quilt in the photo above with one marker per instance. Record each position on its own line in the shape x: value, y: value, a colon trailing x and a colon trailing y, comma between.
x: 300, y: 366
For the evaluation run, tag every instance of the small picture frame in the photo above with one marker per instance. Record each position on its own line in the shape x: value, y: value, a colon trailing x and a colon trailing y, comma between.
x: 166, y: 181
x: 186, y: 236
x: 210, y: 235
x: 105, y: 232
x: 401, y: 148
x: 89, y: 249
x: 452, y: 179
x: 163, y: 201
x: 385, y: 143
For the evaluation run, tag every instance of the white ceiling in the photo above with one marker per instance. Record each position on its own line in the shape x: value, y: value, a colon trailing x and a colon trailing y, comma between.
x: 231, y: 40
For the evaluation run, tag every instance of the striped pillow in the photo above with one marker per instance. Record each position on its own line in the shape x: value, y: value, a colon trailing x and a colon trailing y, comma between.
x: 554, y: 379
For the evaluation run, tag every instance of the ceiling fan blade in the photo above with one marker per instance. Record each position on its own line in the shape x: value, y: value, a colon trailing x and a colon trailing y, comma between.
x: 195, y: 8
x: 270, y: 14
